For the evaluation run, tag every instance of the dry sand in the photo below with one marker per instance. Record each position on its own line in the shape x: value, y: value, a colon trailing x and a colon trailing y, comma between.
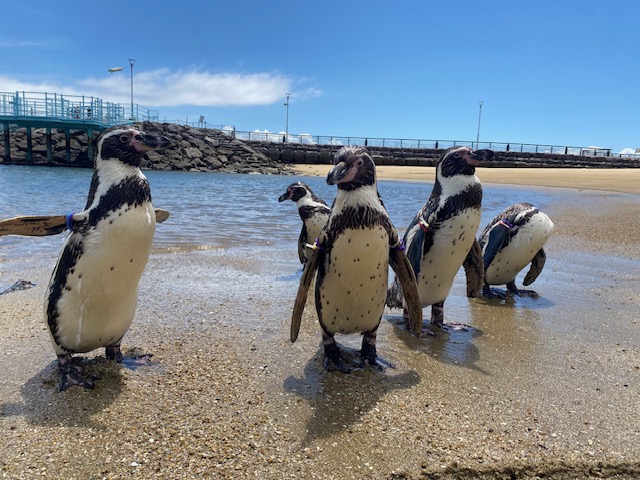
x: 536, y: 388
x: 626, y: 180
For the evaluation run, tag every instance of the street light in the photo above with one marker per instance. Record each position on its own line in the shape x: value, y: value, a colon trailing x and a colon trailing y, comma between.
x: 286, y: 125
x: 479, y: 117
x: 131, y: 62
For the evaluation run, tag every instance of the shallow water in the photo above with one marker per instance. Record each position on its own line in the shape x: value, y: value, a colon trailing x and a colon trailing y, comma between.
x: 208, y: 210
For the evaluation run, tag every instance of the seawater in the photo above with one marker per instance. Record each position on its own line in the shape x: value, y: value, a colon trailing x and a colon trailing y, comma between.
x: 211, y: 210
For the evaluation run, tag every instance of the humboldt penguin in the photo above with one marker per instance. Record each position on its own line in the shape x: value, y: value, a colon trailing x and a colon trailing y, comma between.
x: 512, y: 240
x: 314, y: 213
x: 441, y: 237
x: 92, y: 295
x: 352, y: 256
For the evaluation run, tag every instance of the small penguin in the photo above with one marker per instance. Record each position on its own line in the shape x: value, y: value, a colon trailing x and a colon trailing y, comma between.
x: 513, y: 239
x: 352, y: 257
x: 441, y: 237
x: 314, y: 213
x: 92, y: 295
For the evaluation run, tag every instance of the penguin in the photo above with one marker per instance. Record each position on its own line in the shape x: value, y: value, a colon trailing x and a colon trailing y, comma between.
x: 314, y: 213
x: 512, y: 240
x: 441, y: 237
x: 92, y: 295
x: 351, y: 257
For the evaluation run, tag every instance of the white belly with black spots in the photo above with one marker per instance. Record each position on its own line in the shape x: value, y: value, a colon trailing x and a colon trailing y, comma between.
x: 98, y: 303
x: 438, y: 268
x: 314, y: 225
x: 510, y: 260
x: 354, y: 287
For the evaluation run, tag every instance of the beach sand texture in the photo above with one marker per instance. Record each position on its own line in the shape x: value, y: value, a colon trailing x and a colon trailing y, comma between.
x: 545, y: 387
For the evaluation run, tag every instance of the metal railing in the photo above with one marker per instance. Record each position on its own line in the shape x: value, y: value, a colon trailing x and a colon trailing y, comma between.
x: 69, y: 108
x: 307, y: 139
x: 420, y: 143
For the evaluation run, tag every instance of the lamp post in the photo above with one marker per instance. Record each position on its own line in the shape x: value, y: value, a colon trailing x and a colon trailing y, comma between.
x: 479, y: 118
x: 131, y: 62
x: 286, y: 125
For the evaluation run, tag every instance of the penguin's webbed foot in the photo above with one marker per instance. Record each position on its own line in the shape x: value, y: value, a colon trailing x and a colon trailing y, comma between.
x: 488, y: 293
x: 455, y: 326
x: 333, y: 359
x: 71, y: 374
x: 377, y: 363
x: 369, y: 356
x: 133, y: 363
x: 437, y: 319
x: 525, y: 293
x: 511, y: 288
x: 114, y: 353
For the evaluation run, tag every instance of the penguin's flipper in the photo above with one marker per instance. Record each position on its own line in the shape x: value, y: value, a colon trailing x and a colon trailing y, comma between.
x: 302, y: 244
x: 474, y: 270
x: 161, y: 215
x: 43, y: 225
x: 414, y: 239
x: 404, y: 272
x: 34, y: 226
x: 498, y: 235
x: 303, y: 289
x: 536, y: 267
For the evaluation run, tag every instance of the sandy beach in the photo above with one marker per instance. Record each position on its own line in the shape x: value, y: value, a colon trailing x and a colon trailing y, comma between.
x: 545, y: 387
x: 608, y: 179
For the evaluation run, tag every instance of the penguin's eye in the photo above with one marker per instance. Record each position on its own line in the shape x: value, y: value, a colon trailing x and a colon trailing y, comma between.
x: 359, y: 162
x: 456, y: 155
x: 124, y: 138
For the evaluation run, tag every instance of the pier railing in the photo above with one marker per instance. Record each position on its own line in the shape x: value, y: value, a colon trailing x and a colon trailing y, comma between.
x: 420, y: 143
x: 307, y: 139
x: 76, y: 109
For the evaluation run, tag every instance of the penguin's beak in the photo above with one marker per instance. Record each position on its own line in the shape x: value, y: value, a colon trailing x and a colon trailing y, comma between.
x: 144, y: 142
x: 341, y: 173
x: 285, y: 196
x: 478, y: 156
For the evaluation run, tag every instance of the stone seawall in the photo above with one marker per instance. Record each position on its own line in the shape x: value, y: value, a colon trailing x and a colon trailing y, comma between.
x: 290, y: 153
x: 194, y: 149
x: 198, y: 149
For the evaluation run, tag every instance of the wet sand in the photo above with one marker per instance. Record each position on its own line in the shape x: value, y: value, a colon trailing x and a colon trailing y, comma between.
x: 543, y: 387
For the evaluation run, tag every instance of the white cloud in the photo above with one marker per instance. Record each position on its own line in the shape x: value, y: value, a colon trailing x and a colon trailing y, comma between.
x: 8, y: 84
x: 166, y: 88
x: 629, y: 151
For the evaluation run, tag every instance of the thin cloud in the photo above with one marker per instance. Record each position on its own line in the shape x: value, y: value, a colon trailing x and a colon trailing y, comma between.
x: 8, y: 84
x: 19, y: 43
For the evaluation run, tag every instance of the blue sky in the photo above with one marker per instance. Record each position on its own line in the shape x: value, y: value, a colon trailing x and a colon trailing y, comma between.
x: 548, y: 72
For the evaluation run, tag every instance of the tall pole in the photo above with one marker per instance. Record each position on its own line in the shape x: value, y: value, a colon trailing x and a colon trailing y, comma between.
x: 131, y: 62
x: 286, y: 125
x: 479, y: 118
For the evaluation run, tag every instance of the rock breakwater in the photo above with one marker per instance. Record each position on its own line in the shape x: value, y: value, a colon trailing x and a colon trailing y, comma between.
x: 194, y: 149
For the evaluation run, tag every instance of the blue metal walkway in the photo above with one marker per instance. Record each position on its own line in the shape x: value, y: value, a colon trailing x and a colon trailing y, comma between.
x: 63, y: 112
x: 54, y: 110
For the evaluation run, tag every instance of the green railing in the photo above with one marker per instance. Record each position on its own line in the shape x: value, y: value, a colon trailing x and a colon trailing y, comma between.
x: 76, y: 109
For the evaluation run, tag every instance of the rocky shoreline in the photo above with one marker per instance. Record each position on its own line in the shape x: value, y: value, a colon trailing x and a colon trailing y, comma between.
x: 194, y: 150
